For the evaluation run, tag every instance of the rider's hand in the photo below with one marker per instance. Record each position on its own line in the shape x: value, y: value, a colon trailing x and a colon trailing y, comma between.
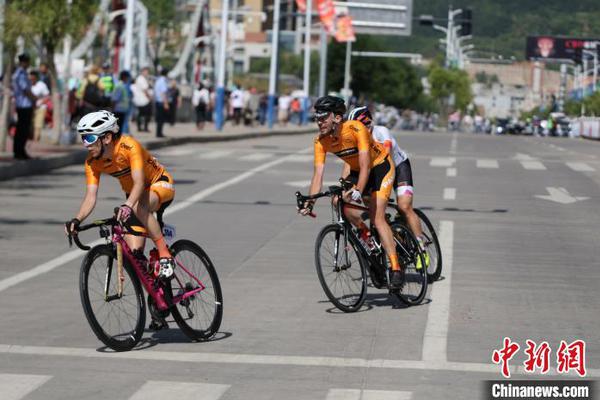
x: 72, y: 226
x: 352, y: 195
x: 123, y: 213
x: 307, y: 209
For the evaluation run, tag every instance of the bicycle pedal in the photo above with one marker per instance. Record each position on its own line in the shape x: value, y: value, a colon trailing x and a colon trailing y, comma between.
x: 157, y: 325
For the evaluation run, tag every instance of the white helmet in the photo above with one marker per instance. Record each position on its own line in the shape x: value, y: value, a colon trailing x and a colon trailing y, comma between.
x: 98, y: 123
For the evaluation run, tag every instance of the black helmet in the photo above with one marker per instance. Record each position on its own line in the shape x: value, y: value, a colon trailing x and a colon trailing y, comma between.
x: 332, y: 104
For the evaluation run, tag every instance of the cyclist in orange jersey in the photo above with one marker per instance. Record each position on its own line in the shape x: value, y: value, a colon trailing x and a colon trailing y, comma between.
x: 146, y: 183
x: 371, y: 170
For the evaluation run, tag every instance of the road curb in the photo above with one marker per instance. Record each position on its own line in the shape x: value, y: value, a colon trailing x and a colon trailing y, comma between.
x: 43, y: 165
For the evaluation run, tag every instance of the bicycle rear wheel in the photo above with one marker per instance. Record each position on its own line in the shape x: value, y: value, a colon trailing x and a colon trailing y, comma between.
x: 341, y: 269
x: 118, y: 321
x: 432, y: 246
x: 199, y: 316
x: 415, y: 279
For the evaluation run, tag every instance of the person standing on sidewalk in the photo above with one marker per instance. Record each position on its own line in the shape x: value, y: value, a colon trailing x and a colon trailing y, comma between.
x: 161, y: 101
x: 200, y: 101
x: 42, y: 95
x: 121, y: 100
x: 24, y: 100
x: 142, y: 99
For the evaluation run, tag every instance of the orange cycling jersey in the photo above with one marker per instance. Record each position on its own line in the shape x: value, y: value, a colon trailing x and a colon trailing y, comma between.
x: 353, y: 137
x: 129, y: 155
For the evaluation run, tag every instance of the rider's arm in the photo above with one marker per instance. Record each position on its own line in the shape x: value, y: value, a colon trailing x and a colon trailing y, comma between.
x: 364, y: 162
x: 88, y: 203
x: 136, y: 162
x: 316, y: 182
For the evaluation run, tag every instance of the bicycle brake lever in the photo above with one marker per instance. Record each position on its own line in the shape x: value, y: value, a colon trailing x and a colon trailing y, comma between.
x: 70, y: 240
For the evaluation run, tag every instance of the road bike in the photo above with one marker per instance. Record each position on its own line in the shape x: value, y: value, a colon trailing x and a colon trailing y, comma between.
x: 430, y: 240
x: 111, y: 280
x: 343, y: 258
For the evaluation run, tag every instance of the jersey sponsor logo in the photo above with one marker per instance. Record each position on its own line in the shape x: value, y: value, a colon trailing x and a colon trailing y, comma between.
x: 386, y: 183
x: 125, y: 146
x: 347, y: 152
x: 354, y: 128
x: 153, y: 162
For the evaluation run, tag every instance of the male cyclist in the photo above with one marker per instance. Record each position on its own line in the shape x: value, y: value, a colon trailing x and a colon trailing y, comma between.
x: 403, y: 184
x: 146, y: 183
x: 370, y: 167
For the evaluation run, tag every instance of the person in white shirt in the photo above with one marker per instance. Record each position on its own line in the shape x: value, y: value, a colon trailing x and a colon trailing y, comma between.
x: 42, y: 93
x: 200, y: 101
x: 142, y: 95
x: 283, y: 109
x: 403, y: 182
x: 237, y: 104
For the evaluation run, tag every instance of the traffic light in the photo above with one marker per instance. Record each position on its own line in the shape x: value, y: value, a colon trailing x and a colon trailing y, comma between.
x: 465, y: 24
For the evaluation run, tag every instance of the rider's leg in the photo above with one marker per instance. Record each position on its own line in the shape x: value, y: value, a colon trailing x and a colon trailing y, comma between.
x: 405, y: 204
x: 145, y: 208
x: 377, y: 211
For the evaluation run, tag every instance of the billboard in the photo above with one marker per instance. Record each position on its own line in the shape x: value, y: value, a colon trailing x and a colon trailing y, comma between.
x: 558, y: 48
x: 380, y: 17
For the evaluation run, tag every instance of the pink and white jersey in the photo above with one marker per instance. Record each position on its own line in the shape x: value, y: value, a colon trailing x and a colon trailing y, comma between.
x: 382, y: 134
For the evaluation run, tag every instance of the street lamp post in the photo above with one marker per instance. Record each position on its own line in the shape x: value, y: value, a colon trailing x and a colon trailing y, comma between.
x: 307, y: 62
x: 274, y: 59
x: 219, y: 117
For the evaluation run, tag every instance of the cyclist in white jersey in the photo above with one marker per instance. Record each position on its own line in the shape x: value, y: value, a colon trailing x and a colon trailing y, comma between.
x: 403, y: 183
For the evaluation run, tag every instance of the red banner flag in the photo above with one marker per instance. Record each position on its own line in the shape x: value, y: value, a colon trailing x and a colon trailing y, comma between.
x: 301, y: 4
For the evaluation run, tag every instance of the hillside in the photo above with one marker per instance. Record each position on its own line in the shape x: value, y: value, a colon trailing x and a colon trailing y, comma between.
x: 500, y: 26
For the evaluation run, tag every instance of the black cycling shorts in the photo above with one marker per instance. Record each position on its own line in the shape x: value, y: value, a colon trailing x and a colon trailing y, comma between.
x: 403, y: 175
x: 381, y: 179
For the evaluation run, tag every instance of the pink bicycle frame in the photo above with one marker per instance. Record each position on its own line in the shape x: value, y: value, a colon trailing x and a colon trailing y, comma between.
x: 148, y: 281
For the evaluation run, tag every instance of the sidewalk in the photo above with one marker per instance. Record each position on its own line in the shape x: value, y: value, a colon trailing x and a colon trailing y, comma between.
x: 48, y: 156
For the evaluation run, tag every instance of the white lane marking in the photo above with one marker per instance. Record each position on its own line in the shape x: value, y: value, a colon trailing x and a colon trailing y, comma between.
x: 213, y: 155
x: 435, y: 339
x: 560, y: 195
x: 15, y: 387
x: 159, y: 390
x: 358, y: 394
x: 442, y: 161
x: 71, y: 255
x: 256, y: 157
x: 580, y: 166
x: 523, y: 157
x: 450, y: 171
x: 487, y: 163
x: 449, y: 193
x: 260, y: 359
x: 533, y: 165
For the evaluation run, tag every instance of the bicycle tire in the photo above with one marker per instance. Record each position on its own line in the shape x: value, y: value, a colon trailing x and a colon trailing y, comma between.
x: 415, y: 286
x: 432, y: 246
x: 120, y: 341
x: 343, y: 301
x: 210, y: 299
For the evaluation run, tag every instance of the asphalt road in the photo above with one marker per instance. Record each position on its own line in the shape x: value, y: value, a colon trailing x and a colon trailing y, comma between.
x: 518, y: 222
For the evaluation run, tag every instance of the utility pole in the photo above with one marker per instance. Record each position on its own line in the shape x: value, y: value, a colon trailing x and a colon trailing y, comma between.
x: 323, y: 64
x: 307, y: 62
x: 219, y: 118
x: 274, y: 59
x: 128, y: 35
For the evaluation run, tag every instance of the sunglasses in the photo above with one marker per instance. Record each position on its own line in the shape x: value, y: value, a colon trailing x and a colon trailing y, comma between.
x: 320, y: 117
x: 89, y: 139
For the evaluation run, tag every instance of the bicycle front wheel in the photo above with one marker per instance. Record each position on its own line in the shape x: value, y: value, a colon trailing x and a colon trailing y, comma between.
x: 116, y: 318
x: 415, y: 275
x: 341, y: 268
x: 198, y: 316
x: 432, y: 247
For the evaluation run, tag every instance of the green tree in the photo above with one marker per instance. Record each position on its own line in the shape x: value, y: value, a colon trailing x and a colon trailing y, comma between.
x: 50, y: 21
x: 388, y: 80
x: 450, y: 85
x: 162, y: 19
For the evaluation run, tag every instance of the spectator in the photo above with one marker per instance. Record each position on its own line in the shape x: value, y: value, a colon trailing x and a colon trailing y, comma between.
x: 161, y: 101
x: 263, y: 104
x: 142, y: 96
x: 237, y: 104
x: 91, y: 93
x: 251, y: 111
x: 42, y: 95
x: 45, y: 76
x: 296, y: 111
x: 200, y: 100
x: 121, y: 99
x: 107, y: 79
x: 283, y: 108
x: 24, y: 101
x: 174, y: 101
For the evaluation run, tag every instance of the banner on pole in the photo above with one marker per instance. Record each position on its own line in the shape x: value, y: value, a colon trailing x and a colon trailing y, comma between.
x: 344, y: 31
x: 301, y: 4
